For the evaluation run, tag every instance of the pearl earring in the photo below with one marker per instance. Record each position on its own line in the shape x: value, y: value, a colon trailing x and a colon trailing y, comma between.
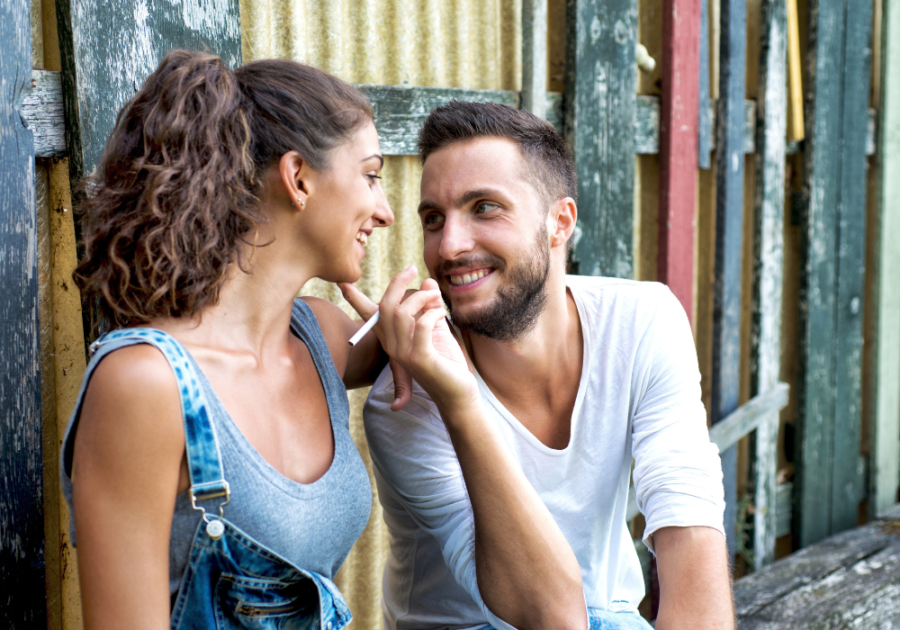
x: 302, y: 202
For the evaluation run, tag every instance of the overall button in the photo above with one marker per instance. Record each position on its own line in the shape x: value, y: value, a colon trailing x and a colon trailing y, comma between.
x: 215, y: 529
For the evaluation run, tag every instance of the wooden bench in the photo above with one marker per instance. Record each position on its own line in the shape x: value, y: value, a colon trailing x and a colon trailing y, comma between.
x: 851, y: 580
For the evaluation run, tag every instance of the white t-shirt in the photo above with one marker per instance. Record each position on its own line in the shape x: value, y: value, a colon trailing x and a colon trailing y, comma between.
x: 639, y: 396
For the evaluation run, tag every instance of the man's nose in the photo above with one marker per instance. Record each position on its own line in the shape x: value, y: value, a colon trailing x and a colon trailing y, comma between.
x: 456, y: 237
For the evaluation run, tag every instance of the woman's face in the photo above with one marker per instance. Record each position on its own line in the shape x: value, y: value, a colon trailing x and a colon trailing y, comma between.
x: 345, y: 203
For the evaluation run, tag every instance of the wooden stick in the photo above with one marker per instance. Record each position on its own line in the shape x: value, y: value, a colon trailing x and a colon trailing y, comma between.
x: 795, y: 130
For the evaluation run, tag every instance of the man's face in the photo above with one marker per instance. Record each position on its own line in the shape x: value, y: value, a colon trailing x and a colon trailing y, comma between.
x: 485, y: 236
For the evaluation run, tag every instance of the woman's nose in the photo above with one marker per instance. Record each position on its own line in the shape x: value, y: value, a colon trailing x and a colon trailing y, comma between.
x: 383, y: 216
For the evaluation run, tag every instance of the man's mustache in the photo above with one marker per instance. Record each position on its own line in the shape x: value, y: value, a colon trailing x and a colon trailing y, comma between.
x: 470, y: 262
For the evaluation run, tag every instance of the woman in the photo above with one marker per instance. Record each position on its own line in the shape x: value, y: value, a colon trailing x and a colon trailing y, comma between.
x: 208, y: 462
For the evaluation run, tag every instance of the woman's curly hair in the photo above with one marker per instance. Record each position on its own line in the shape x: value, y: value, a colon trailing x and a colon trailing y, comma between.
x: 175, y: 197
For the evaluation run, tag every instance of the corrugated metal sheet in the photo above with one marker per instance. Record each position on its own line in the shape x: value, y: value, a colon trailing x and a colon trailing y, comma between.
x: 433, y: 43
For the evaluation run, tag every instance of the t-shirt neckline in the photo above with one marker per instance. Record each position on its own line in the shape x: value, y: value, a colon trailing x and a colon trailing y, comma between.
x: 579, y: 397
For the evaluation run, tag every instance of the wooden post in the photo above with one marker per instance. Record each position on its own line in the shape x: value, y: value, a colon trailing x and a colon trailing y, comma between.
x: 534, y: 56
x: 885, y: 429
x: 678, y: 147
x: 771, y: 113
x: 22, y: 579
x: 704, y: 125
x: 600, y: 110
x: 731, y: 118
x: 828, y: 487
x: 849, y: 476
x: 795, y: 129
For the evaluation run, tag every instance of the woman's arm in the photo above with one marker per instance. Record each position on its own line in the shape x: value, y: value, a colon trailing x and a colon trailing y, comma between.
x: 126, y: 472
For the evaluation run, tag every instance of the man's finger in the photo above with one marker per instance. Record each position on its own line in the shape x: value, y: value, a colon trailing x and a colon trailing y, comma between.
x: 402, y: 386
x: 358, y: 300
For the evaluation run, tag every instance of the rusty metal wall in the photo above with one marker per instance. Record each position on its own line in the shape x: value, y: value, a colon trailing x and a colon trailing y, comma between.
x: 431, y: 43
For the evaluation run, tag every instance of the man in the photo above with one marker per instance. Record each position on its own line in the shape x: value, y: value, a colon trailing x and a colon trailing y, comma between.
x: 505, y: 495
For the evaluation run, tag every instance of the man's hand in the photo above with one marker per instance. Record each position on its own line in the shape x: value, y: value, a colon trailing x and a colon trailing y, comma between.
x: 694, y: 579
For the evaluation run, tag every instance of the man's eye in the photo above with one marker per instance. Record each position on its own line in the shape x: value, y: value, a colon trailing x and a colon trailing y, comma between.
x: 485, y: 207
x: 432, y: 220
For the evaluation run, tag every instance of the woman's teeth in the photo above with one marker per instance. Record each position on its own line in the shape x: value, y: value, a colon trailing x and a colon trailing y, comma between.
x: 362, y: 238
x: 467, y: 278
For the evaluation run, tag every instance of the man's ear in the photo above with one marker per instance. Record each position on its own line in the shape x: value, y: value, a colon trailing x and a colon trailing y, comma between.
x: 561, y: 221
x: 294, y: 174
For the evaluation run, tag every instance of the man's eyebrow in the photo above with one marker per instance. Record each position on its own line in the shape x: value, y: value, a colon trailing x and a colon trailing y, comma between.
x: 375, y: 155
x: 428, y: 205
x: 478, y: 193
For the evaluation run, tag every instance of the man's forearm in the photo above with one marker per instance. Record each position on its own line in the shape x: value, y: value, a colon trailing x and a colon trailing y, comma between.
x: 527, y: 573
x: 694, y: 579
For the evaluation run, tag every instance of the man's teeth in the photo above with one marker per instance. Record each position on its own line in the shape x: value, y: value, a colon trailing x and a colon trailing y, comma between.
x: 467, y: 278
x: 362, y: 238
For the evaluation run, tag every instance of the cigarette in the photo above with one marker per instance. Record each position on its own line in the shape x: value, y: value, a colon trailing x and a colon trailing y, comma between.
x: 364, y: 329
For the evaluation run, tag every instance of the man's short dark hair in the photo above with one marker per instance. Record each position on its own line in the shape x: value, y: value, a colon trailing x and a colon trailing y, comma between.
x: 546, y: 155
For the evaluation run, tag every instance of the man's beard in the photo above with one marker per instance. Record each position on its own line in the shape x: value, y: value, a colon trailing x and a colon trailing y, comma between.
x: 516, y: 307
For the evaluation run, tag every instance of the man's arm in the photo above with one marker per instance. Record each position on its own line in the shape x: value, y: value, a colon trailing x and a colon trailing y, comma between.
x: 694, y: 579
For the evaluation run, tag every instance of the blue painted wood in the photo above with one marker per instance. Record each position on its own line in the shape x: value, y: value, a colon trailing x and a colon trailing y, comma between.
x: 848, y: 483
x: 22, y: 580
x: 600, y: 112
x: 704, y: 125
x: 729, y: 236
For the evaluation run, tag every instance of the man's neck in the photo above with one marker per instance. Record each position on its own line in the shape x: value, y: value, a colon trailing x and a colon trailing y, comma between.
x: 537, y: 376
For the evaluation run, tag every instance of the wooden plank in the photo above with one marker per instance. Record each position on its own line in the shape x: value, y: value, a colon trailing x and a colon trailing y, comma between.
x: 885, y: 428
x: 400, y: 111
x: 749, y: 416
x: 704, y: 122
x: 534, y: 56
x: 729, y: 236
x: 847, y: 485
x: 22, y: 577
x: 678, y: 148
x: 851, y: 580
x: 783, y: 497
x: 817, y: 304
x: 768, y: 245
x: 109, y: 48
x: 600, y: 111
x: 42, y: 110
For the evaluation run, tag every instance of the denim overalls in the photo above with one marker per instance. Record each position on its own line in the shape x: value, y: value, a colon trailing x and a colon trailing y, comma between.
x: 231, y: 580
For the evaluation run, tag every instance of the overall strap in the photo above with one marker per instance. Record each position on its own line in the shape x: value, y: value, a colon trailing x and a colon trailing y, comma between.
x: 202, y: 448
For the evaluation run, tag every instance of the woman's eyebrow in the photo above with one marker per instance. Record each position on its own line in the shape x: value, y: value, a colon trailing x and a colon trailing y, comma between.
x: 375, y: 155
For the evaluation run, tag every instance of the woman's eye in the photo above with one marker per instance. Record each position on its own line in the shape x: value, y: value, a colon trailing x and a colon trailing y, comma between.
x: 373, y: 177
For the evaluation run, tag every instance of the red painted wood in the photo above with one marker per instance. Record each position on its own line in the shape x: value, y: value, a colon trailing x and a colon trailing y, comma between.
x: 678, y: 147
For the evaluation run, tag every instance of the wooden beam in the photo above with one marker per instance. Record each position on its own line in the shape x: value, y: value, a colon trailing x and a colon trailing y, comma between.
x: 848, y: 482
x: 22, y: 579
x: 42, y: 110
x: 109, y: 48
x: 729, y: 236
x: 795, y: 130
x: 768, y: 241
x: 885, y: 429
x: 599, y: 120
x: 678, y: 148
x: 534, y: 56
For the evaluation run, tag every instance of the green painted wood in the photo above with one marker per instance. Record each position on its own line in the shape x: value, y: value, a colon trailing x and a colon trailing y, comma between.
x: 885, y: 372
x: 784, y: 493
x: 704, y: 124
x: 400, y: 111
x: 22, y: 579
x: 847, y: 484
x: 730, y: 136
x: 534, y: 56
x: 600, y: 112
x: 768, y: 246
x: 109, y: 48
x: 817, y: 305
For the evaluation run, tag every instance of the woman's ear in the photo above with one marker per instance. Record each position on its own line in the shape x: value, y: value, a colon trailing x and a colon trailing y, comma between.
x: 293, y: 171
x: 563, y: 215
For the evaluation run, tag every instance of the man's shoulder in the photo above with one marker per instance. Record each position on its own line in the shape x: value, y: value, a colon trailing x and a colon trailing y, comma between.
x: 601, y: 294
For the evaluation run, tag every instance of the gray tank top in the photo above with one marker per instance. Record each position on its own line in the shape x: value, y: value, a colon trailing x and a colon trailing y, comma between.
x: 311, y: 525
